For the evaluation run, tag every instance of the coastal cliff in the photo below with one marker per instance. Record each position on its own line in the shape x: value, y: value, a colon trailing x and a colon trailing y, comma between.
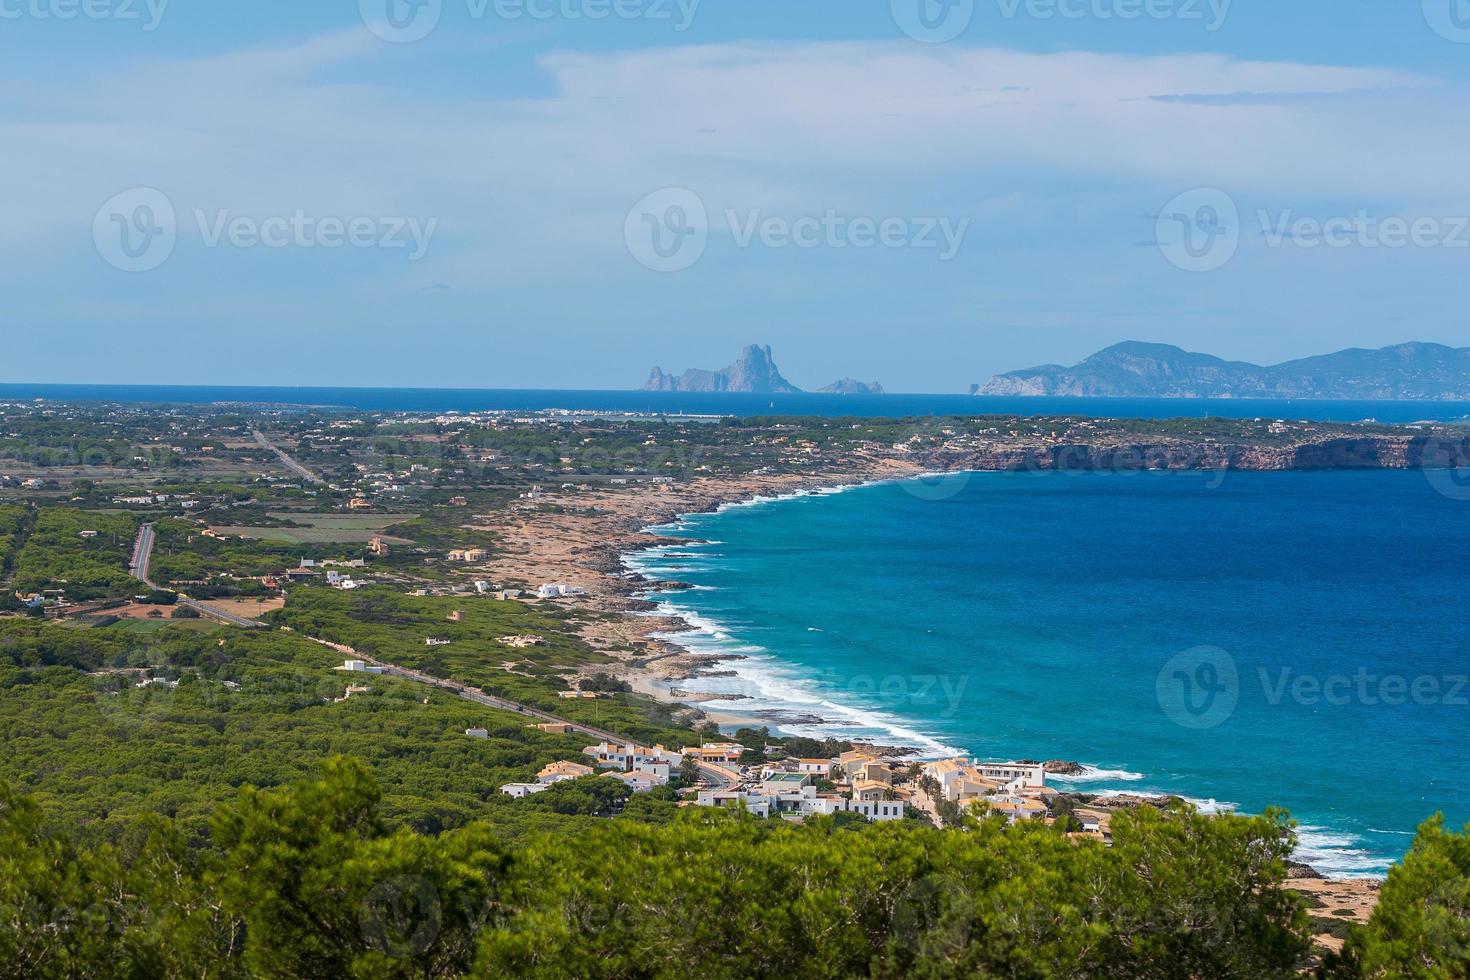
x: 1367, y: 452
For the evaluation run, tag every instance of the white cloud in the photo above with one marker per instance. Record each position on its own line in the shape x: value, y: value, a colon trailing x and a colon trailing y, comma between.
x: 517, y: 181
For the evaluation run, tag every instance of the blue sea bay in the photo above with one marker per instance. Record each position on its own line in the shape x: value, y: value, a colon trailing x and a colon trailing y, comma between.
x: 1255, y: 639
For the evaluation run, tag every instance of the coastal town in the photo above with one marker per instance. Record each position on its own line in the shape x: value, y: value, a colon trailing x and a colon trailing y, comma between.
x: 859, y: 781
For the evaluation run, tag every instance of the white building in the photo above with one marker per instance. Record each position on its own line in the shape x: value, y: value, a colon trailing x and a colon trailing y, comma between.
x: 660, y: 772
x: 1014, y: 776
x: 961, y: 779
x: 801, y: 802
x: 630, y: 757
x: 737, y: 799
x: 360, y: 667
x: 520, y: 791
x: 639, y: 782
x: 558, y: 772
x: 558, y: 591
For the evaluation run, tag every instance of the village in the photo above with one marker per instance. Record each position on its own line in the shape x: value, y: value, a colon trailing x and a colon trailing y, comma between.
x: 859, y: 781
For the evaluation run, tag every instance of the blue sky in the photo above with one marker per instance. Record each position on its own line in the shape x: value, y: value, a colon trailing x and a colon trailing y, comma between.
x: 562, y: 193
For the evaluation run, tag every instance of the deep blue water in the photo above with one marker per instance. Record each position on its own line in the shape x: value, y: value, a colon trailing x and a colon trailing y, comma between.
x: 1047, y: 615
x: 874, y: 406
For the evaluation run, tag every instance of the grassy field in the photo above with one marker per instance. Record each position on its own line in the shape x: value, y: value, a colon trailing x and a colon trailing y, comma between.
x: 345, y: 522
x: 322, y: 528
x: 305, y: 535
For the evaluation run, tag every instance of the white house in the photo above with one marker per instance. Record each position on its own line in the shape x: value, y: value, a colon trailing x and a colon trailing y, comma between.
x: 960, y: 779
x: 558, y: 772
x: 777, y: 783
x: 1014, y: 776
x: 1016, y: 808
x: 717, y: 752
x: 877, y: 811
x: 558, y: 591
x: 639, y: 782
x: 611, y: 755
x: 522, y: 790
x: 756, y: 803
x: 803, y: 801
x: 660, y: 772
x: 360, y: 667
x: 477, y: 733
x: 630, y: 757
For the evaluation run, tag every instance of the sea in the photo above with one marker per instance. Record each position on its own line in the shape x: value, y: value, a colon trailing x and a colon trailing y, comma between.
x: 1244, y: 640
x: 742, y: 405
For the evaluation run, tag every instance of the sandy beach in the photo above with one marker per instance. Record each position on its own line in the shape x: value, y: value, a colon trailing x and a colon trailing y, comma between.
x: 579, y: 536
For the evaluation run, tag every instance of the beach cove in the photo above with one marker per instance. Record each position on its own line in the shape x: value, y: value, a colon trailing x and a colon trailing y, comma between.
x: 1033, y: 615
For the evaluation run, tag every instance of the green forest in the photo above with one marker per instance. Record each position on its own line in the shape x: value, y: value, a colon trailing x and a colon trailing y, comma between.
x: 248, y: 823
x: 311, y: 880
x: 93, y: 567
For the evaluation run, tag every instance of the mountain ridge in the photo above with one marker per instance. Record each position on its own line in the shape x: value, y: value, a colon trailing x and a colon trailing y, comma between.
x: 1414, y: 371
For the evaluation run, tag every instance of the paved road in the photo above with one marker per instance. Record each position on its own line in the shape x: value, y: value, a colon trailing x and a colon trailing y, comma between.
x: 289, y: 463
x: 142, y: 554
x: 138, y: 567
x: 718, y: 777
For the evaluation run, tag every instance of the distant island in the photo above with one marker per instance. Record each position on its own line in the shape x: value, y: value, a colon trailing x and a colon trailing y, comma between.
x: 1414, y: 371
x: 849, y: 386
x: 753, y: 372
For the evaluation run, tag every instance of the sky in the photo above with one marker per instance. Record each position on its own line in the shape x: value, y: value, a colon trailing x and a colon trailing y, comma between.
x: 564, y: 193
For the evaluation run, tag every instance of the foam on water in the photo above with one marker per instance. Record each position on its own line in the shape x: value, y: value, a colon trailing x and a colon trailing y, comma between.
x: 1092, y: 774
x: 765, y: 686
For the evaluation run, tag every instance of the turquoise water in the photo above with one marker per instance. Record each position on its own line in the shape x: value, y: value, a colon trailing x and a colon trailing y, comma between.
x: 1292, y: 639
